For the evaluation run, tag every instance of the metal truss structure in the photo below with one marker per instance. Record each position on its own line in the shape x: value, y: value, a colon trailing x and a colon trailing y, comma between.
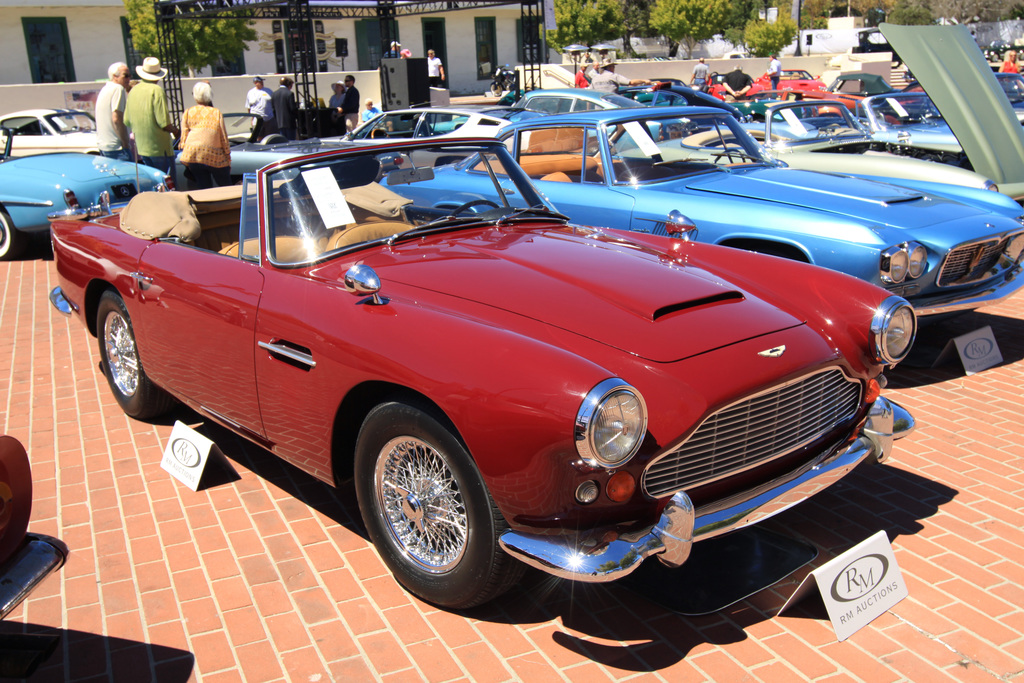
x: 300, y: 15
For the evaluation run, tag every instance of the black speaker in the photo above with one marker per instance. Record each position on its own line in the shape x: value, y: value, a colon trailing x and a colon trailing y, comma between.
x: 404, y: 83
x: 341, y: 47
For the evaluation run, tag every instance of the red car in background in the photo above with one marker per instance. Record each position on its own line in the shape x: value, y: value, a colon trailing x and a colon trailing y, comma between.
x: 792, y: 79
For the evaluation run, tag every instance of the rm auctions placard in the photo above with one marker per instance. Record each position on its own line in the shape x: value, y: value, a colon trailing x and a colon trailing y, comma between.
x: 856, y: 587
x: 186, y: 455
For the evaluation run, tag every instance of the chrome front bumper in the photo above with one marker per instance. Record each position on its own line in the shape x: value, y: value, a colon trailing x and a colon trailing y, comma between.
x: 38, y: 557
x: 681, y: 525
x: 959, y: 301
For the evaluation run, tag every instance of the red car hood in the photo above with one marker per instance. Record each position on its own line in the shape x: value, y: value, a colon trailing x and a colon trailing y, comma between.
x: 666, y: 310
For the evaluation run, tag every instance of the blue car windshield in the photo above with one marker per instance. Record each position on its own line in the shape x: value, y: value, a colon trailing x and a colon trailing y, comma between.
x: 666, y: 147
x: 903, y: 110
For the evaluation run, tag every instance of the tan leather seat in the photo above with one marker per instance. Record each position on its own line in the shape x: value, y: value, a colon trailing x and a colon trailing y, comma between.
x: 366, y: 232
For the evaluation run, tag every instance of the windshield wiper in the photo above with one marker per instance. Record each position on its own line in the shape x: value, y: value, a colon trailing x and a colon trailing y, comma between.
x: 535, y: 210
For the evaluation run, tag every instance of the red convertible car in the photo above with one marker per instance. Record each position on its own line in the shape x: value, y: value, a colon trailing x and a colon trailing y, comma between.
x: 506, y: 388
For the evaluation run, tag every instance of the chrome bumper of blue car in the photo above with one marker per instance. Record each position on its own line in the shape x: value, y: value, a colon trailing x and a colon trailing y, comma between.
x: 681, y: 525
x: 36, y: 558
x: 957, y: 302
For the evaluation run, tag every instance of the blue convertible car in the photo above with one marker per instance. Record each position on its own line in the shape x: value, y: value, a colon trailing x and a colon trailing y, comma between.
x: 33, y: 187
x: 696, y: 173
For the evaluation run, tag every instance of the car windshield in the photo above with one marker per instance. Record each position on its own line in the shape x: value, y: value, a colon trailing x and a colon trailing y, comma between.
x: 1013, y: 86
x: 331, y: 205
x: 812, y: 121
x: 903, y: 109
x: 797, y: 75
x: 72, y: 122
x: 666, y: 147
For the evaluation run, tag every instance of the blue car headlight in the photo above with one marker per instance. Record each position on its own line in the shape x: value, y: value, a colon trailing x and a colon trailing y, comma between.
x: 610, y: 424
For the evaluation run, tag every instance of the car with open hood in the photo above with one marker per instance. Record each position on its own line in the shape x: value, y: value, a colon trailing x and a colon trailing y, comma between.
x: 950, y: 67
x: 504, y: 388
x: 911, y: 119
x: 815, y: 135
x: 31, y: 187
x: 697, y: 171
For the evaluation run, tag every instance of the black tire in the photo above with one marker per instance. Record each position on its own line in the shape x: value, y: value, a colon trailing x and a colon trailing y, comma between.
x: 12, y: 240
x: 439, y: 537
x: 119, y: 358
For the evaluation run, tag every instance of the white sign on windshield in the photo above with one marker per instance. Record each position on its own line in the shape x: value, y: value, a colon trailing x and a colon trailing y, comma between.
x: 328, y: 197
x: 793, y: 121
x: 641, y: 138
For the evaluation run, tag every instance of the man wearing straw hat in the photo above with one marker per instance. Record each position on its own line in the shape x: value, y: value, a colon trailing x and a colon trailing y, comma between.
x: 146, y: 116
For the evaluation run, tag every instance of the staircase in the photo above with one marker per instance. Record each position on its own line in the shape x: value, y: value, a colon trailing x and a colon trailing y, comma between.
x: 898, y: 77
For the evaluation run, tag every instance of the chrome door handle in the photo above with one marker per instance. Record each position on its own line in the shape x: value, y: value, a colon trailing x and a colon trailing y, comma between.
x: 289, y: 353
x: 141, y: 279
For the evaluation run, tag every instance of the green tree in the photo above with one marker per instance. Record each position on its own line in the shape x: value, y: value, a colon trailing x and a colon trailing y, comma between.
x: 689, y: 22
x: 764, y: 39
x: 910, y: 14
x: 201, y: 42
x: 636, y: 22
x: 586, y: 22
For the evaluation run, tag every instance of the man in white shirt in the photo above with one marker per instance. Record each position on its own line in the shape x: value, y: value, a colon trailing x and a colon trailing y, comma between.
x: 258, y: 102
x: 111, y: 133
x: 774, y: 71
x: 435, y: 70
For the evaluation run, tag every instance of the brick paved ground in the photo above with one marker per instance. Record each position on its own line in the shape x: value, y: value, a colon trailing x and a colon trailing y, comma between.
x: 270, y: 577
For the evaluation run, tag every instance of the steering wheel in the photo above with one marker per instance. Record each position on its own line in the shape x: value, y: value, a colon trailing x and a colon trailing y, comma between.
x: 475, y: 202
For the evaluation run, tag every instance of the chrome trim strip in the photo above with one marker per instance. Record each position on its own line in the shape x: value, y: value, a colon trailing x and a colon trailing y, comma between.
x: 26, y: 202
x: 680, y: 526
x: 968, y: 301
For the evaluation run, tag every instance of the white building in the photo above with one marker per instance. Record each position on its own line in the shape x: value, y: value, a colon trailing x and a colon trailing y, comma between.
x: 66, y: 41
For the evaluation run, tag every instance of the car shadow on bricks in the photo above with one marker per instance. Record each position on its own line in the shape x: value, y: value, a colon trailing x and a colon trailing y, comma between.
x: 337, y: 503
x: 920, y: 367
x: 50, y: 654
x: 619, y: 628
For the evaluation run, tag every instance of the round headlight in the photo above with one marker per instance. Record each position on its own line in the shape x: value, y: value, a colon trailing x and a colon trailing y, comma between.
x: 893, y: 328
x: 918, y: 260
x: 895, y: 262
x: 610, y: 424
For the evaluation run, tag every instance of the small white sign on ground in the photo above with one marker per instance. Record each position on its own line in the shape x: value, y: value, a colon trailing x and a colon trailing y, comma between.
x: 186, y: 455
x: 856, y: 587
x: 978, y: 351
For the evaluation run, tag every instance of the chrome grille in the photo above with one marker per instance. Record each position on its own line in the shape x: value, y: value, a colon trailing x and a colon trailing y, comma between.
x: 755, y: 431
x: 971, y: 262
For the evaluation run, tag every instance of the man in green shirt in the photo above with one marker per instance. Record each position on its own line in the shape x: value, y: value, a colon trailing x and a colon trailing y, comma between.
x: 146, y: 116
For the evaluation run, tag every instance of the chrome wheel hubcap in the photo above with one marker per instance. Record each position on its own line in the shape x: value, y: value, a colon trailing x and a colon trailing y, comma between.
x: 422, y: 504
x: 121, y: 354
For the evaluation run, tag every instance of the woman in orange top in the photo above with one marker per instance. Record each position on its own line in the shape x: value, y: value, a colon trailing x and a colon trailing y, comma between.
x: 205, y: 150
x: 1010, y: 65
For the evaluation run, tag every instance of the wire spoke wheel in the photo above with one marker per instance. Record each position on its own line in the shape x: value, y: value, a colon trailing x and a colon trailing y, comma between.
x: 121, y: 354
x: 425, y: 511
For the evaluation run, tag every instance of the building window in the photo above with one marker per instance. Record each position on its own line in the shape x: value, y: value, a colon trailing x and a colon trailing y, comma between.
x: 49, y: 50
x: 528, y: 39
x: 486, y: 48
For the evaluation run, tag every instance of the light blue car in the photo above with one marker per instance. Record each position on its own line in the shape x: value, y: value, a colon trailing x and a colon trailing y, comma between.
x: 911, y: 119
x: 71, y: 184
x: 695, y: 173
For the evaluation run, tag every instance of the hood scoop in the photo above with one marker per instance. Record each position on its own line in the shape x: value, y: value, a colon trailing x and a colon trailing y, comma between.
x: 723, y: 297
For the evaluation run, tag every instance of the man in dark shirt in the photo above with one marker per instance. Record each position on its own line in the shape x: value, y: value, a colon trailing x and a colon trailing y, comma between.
x: 350, y: 105
x: 285, y: 108
x: 737, y: 83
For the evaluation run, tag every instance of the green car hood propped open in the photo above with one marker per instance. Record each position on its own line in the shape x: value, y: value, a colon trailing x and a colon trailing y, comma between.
x: 949, y: 65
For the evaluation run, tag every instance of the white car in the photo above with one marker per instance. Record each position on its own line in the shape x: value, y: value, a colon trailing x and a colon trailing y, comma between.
x: 37, y: 131
x: 439, y: 122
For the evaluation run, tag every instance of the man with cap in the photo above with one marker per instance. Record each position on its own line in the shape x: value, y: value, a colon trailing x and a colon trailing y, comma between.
x: 604, y: 79
x: 395, y: 51
x: 146, y: 115
x: 259, y: 103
